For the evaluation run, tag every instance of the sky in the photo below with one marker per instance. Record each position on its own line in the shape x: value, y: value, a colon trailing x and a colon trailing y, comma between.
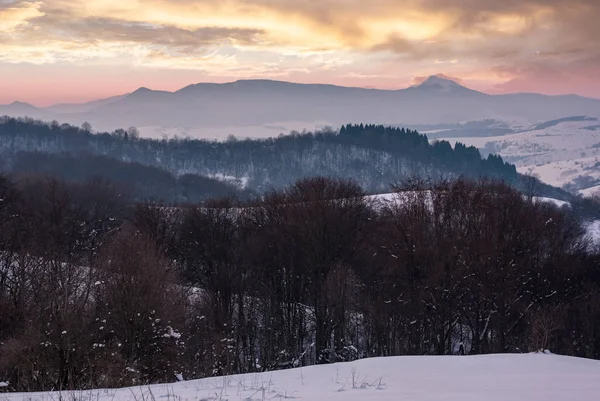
x: 54, y: 51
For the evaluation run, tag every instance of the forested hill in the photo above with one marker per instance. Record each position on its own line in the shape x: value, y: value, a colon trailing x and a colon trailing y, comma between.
x: 373, y: 155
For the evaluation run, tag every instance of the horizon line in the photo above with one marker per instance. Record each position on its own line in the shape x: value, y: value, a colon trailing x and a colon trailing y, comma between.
x: 32, y: 104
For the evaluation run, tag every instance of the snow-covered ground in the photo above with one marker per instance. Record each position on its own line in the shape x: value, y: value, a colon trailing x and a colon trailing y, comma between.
x: 558, y: 153
x: 593, y: 230
x: 560, y: 172
x: 526, y: 377
x: 591, y: 191
x: 398, y: 197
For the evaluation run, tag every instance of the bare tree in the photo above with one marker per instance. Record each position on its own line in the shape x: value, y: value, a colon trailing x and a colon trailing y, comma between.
x: 133, y: 133
x: 530, y: 185
x: 545, y: 323
x: 141, y: 309
x: 87, y: 127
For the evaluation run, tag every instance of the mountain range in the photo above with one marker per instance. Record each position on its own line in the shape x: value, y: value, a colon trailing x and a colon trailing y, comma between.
x: 261, y: 103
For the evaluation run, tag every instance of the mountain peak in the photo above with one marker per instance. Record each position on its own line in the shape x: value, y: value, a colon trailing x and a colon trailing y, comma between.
x: 144, y: 93
x: 21, y: 104
x: 142, y: 89
x: 440, y: 84
x: 439, y: 81
x: 262, y: 83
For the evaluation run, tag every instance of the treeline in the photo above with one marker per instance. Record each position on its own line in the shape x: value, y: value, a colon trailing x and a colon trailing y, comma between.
x: 136, y: 181
x: 96, y: 292
x: 375, y: 156
x: 461, y: 160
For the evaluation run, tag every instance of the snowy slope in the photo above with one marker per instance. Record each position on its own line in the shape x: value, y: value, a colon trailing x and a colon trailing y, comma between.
x: 527, y: 377
x: 558, y: 154
x: 591, y: 191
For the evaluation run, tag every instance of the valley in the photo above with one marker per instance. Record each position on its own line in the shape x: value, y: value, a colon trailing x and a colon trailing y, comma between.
x: 564, y: 153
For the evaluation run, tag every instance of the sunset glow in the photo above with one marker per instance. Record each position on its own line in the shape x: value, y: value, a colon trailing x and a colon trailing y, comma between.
x: 74, y: 50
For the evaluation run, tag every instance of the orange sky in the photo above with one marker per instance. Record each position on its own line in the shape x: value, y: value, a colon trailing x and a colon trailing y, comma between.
x: 75, y: 50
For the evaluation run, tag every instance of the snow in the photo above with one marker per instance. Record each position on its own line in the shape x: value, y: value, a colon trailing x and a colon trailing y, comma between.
x: 171, y: 333
x: 525, y: 377
x: 388, y: 197
x: 593, y: 230
x: 558, y: 203
x: 558, y: 153
x: 392, y: 197
x: 591, y: 191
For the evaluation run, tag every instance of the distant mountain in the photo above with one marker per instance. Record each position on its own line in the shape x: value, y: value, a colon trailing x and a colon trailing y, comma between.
x: 68, y: 108
x: 259, y: 103
x: 23, y: 109
x: 439, y: 85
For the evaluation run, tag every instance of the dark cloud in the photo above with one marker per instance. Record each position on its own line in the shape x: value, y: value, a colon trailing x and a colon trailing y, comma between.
x: 396, y: 44
x: 111, y: 30
x: 53, y: 26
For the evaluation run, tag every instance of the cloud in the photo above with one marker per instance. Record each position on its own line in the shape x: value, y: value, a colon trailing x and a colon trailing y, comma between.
x: 152, y: 37
x: 412, y: 28
x: 111, y: 30
x: 493, y: 41
x: 14, y: 14
x: 564, y: 76
x: 46, y: 37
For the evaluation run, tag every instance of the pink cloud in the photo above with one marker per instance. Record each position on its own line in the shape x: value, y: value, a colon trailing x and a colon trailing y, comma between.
x: 581, y: 78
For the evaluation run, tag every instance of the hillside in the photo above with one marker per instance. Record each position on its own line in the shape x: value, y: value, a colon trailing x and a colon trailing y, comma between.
x: 136, y: 181
x: 564, y: 152
x: 375, y: 156
x: 311, y: 274
x: 555, y: 137
x: 528, y: 377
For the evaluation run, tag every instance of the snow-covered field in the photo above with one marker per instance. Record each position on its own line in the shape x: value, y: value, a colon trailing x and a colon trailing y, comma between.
x: 526, y: 377
x: 558, y: 153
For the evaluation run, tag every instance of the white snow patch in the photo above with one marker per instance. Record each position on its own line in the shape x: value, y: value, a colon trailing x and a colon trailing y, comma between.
x: 556, y: 202
x: 593, y: 230
x: 171, y: 333
x: 397, y: 197
x: 558, y: 154
x: 591, y: 191
x: 241, y: 182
